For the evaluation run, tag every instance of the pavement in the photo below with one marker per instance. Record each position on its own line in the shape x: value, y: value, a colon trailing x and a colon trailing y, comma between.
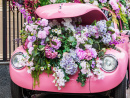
x: 5, y: 87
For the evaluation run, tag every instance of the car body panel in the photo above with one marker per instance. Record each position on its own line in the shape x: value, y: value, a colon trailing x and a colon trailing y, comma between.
x: 71, y: 10
x: 20, y: 76
x: 111, y: 79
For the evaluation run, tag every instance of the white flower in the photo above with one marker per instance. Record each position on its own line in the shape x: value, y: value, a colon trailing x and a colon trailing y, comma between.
x: 54, y: 75
x: 123, y: 9
x: 59, y: 32
x: 32, y: 68
x: 95, y: 3
x: 42, y: 68
x: 59, y: 88
x: 83, y: 64
x: 56, y: 84
x: 54, y: 81
x: 49, y: 65
x: 56, y: 30
x: 29, y: 71
x: 59, y: 55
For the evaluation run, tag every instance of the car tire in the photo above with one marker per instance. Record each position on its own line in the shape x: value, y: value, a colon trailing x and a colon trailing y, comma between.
x: 16, y: 91
x: 120, y: 90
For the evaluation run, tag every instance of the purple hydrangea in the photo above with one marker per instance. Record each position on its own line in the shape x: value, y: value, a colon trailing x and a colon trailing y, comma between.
x: 68, y: 63
x: 102, y: 27
x: 106, y: 38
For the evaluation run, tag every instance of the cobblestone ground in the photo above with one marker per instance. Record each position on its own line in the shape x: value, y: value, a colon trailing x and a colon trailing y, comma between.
x: 4, y: 82
x: 5, y: 87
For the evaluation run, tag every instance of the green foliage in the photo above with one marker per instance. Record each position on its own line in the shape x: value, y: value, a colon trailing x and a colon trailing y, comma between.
x: 82, y: 79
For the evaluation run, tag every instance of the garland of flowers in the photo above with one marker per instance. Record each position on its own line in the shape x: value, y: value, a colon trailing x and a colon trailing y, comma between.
x: 63, y: 48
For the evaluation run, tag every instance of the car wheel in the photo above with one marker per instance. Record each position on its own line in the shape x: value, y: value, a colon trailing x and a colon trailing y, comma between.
x: 120, y: 90
x: 18, y: 92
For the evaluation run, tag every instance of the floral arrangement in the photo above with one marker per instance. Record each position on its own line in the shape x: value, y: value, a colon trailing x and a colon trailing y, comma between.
x: 63, y: 48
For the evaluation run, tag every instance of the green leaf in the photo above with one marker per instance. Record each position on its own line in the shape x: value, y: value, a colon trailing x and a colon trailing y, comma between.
x: 94, y: 23
x: 71, y: 39
x: 96, y: 46
x: 54, y: 43
x: 101, y: 54
x: 82, y: 46
x: 90, y: 41
x: 41, y: 46
x: 108, y: 23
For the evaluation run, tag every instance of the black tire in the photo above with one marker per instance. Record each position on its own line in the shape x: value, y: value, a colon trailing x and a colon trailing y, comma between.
x: 16, y: 91
x: 120, y: 90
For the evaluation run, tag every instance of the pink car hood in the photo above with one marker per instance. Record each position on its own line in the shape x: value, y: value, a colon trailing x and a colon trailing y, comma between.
x: 87, y: 12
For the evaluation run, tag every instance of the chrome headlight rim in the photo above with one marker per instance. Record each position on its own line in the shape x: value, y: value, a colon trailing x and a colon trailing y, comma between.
x: 18, y: 53
x: 109, y: 55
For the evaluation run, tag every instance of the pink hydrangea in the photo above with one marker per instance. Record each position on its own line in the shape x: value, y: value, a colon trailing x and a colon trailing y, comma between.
x: 58, y: 44
x: 29, y: 45
x: 44, y: 22
x: 81, y: 53
x: 30, y: 50
x: 42, y: 34
x: 88, y: 55
x: 47, y: 29
x: 114, y: 4
x: 93, y: 52
x: 49, y: 53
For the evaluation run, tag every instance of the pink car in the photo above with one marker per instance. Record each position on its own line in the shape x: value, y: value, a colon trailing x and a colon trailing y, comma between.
x: 114, y: 82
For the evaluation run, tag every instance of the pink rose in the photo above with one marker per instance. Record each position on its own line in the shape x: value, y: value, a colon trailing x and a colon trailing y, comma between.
x: 47, y: 29
x: 42, y: 34
x: 88, y: 55
x: 30, y: 50
x: 44, y: 22
x: 50, y: 53
x: 114, y: 4
x: 29, y: 45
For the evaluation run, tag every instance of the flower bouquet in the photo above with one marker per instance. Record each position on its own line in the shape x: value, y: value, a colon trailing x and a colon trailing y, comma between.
x: 65, y: 47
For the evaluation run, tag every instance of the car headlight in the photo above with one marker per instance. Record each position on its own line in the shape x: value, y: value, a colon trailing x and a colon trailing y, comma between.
x: 110, y: 63
x: 16, y: 60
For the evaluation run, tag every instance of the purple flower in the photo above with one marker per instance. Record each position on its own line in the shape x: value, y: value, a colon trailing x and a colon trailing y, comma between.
x: 68, y: 63
x: 31, y: 38
x: 58, y: 44
x: 93, y: 64
x: 103, y: 1
x: 43, y: 42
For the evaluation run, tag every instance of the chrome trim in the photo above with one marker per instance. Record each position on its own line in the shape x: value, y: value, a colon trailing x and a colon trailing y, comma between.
x: 110, y: 55
x: 18, y: 53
